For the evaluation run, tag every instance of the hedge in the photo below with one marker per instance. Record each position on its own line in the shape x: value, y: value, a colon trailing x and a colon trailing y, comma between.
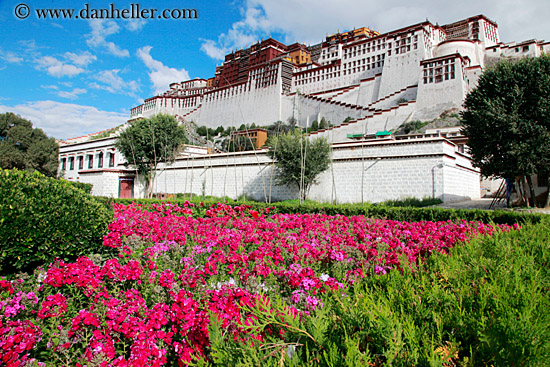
x: 411, y: 214
x: 43, y: 218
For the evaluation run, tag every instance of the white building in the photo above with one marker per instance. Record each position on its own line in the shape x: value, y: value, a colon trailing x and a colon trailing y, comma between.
x: 380, y: 81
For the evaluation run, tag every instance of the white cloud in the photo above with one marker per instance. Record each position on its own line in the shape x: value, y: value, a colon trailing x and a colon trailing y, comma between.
x: 57, y: 68
x: 10, y: 57
x: 114, y: 83
x: 72, y: 94
x: 82, y: 59
x: 54, y: 87
x: 242, y: 34
x: 135, y: 25
x: 161, y: 76
x: 66, y: 120
x: 70, y: 64
x: 212, y: 49
x: 101, y: 29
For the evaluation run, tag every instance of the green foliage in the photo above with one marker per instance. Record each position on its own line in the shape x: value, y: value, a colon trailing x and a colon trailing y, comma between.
x: 206, y: 131
x: 105, y: 134
x: 413, y: 126
x: 147, y: 142
x: 299, y: 160
x: 314, y: 125
x: 86, y: 187
x: 413, y: 202
x: 279, y: 127
x: 411, y: 213
x: 43, y: 218
x: 347, y: 119
x: 323, y: 124
x: 25, y: 148
x: 507, y: 118
x: 238, y: 143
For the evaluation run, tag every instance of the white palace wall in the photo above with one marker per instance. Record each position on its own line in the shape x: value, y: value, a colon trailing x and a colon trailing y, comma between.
x: 231, y: 107
x: 370, y: 172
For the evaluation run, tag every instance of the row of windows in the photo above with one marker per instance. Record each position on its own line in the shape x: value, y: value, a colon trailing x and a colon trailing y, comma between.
x: 90, y: 158
x: 438, y: 71
x: 344, y: 72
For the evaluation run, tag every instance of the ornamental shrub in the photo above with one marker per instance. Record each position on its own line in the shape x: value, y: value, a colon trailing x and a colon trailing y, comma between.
x: 42, y: 219
x: 86, y: 187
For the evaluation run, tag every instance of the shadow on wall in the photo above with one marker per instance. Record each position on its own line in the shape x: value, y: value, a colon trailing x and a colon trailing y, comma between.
x: 263, y: 186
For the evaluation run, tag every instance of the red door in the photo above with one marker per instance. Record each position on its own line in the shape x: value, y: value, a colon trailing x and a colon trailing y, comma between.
x: 126, y: 188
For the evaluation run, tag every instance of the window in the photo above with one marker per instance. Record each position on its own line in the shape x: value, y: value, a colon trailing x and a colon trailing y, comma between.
x: 80, y: 162
x: 63, y: 163
x: 71, y: 163
x: 100, y: 160
x: 111, y: 159
x: 90, y: 161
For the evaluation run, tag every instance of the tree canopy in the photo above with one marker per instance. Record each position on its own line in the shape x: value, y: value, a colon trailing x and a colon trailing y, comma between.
x: 507, y: 119
x: 148, y: 142
x: 298, y: 160
x: 26, y: 148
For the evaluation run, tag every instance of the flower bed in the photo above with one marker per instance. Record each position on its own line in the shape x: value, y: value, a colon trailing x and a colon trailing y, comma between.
x: 179, y: 277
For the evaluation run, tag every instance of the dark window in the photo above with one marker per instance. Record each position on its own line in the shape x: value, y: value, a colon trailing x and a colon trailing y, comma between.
x: 71, y: 163
x: 63, y: 163
x: 100, y: 160
x: 80, y: 162
x: 90, y: 161
x: 111, y: 159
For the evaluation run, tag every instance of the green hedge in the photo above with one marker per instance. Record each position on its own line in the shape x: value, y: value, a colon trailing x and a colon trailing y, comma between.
x: 411, y: 214
x: 86, y: 187
x: 43, y: 218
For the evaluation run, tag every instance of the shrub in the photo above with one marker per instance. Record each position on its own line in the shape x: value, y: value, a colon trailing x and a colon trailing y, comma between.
x: 43, y: 218
x: 86, y: 187
x: 409, y: 213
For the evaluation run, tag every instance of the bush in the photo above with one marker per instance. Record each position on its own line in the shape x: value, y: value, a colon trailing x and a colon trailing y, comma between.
x: 409, y: 213
x: 43, y: 218
x: 86, y: 187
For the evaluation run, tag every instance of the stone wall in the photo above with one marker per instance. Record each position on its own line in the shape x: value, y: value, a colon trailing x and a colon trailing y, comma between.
x: 369, y: 172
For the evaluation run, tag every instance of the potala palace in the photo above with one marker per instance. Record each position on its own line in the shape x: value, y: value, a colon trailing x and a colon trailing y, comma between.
x: 362, y: 81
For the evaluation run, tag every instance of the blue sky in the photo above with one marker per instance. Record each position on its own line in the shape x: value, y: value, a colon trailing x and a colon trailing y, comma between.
x: 72, y: 77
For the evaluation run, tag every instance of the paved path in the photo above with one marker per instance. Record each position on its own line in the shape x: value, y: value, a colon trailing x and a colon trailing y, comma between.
x: 484, y: 204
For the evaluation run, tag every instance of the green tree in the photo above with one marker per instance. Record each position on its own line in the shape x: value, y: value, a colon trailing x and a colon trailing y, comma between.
x: 26, y: 148
x: 314, y: 126
x: 202, y: 130
x: 507, y: 120
x: 147, y: 142
x: 323, y: 124
x: 298, y: 160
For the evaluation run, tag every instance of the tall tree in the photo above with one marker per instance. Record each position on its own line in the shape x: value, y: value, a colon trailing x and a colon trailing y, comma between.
x: 299, y: 160
x: 25, y: 147
x: 147, y: 142
x: 507, y: 119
